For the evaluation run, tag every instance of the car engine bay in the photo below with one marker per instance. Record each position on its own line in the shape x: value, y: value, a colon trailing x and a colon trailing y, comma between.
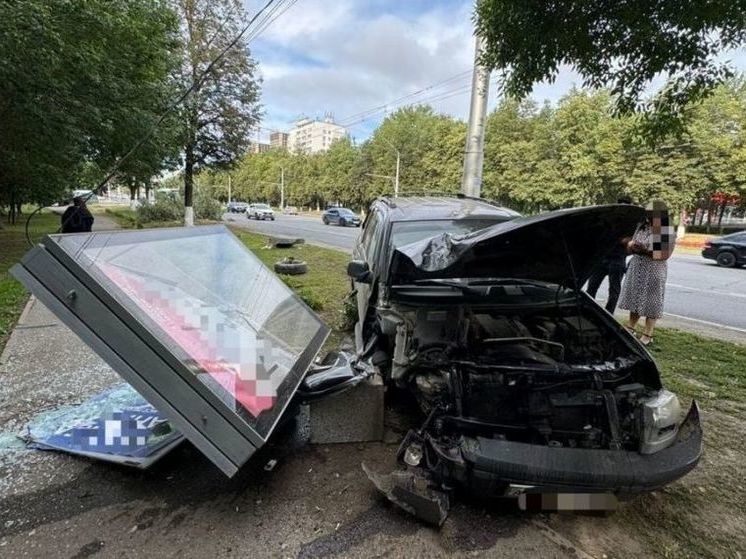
x: 553, y: 375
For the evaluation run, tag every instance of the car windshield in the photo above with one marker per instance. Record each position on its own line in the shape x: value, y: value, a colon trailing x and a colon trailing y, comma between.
x: 405, y: 232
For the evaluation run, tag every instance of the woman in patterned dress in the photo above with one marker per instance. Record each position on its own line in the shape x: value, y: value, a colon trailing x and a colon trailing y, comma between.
x: 645, y: 283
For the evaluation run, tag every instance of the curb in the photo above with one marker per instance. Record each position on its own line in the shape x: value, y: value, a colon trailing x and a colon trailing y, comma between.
x: 21, y: 319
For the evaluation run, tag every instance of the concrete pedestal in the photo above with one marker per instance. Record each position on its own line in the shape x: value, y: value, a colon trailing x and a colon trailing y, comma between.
x: 355, y: 415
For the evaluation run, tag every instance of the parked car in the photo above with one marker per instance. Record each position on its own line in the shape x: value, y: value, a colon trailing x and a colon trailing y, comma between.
x: 290, y: 210
x: 260, y: 211
x: 237, y: 207
x: 340, y: 216
x: 523, y: 382
x: 727, y: 251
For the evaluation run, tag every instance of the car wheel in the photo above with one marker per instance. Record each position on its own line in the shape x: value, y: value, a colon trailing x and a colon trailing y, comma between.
x: 726, y: 259
x: 272, y: 218
x: 326, y: 221
x: 342, y: 223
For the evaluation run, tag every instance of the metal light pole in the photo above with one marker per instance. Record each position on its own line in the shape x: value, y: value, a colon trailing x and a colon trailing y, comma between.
x: 282, y: 188
x: 471, y: 182
x: 396, y: 181
x: 229, y: 189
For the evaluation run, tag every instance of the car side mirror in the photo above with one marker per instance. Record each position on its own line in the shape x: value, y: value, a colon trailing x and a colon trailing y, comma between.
x: 358, y: 270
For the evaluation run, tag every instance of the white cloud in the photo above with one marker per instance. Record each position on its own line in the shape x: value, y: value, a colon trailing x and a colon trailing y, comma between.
x: 338, y: 56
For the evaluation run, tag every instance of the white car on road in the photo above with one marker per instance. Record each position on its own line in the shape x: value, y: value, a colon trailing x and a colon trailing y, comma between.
x: 260, y: 211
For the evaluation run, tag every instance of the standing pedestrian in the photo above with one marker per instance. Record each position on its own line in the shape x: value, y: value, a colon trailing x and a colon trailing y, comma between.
x: 613, y: 265
x: 77, y: 218
x: 645, y: 286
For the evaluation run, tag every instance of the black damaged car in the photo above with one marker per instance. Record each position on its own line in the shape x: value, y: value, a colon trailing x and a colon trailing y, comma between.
x: 524, y: 383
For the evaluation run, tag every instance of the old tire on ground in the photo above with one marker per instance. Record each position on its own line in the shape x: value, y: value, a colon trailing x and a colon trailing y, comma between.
x: 291, y: 267
x: 726, y: 259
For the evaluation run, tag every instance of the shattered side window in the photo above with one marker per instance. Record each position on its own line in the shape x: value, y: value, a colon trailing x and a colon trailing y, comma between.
x: 231, y: 322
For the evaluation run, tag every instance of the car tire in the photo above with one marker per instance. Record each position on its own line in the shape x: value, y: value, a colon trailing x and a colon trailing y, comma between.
x: 726, y: 259
x: 326, y: 221
x: 342, y: 223
x: 291, y: 267
x: 272, y: 218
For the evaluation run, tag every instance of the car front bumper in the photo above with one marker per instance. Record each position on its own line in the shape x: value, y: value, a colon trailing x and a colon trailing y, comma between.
x: 485, y: 466
x: 710, y: 253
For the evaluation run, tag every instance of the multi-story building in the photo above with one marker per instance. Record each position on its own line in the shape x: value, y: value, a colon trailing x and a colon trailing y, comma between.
x: 258, y: 147
x: 278, y: 140
x: 313, y: 136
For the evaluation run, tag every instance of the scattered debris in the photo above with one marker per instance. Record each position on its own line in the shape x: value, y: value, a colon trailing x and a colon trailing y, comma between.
x: 284, y: 242
x: 413, y: 493
x: 270, y: 465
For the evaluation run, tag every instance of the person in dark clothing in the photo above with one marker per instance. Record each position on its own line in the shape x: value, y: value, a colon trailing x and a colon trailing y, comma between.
x: 77, y: 218
x: 614, y: 265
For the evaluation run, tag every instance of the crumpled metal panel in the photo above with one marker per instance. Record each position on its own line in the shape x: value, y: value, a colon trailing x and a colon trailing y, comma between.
x: 558, y: 247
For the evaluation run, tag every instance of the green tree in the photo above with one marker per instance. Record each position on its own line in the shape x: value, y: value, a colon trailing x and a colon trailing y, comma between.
x: 223, y: 108
x: 79, y: 83
x: 617, y: 44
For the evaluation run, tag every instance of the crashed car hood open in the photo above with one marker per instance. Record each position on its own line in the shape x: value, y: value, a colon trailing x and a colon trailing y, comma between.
x: 559, y: 247
x: 191, y: 319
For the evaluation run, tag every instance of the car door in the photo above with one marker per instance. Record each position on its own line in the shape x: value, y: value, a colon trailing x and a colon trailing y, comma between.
x: 333, y: 216
x: 367, y: 250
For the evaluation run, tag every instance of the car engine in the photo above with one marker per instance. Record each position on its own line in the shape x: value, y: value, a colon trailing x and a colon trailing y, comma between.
x: 552, y: 376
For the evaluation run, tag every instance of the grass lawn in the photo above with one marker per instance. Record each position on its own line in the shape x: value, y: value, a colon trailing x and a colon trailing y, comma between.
x: 13, y: 246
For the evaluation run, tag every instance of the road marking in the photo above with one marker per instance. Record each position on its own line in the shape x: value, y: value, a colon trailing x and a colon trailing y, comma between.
x: 708, y: 291
x: 707, y: 322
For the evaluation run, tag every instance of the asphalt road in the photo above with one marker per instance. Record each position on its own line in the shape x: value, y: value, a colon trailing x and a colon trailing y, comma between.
x: 697, y: 289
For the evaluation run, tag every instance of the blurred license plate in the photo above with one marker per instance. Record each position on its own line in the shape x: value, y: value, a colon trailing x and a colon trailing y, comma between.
x: 553, y: 502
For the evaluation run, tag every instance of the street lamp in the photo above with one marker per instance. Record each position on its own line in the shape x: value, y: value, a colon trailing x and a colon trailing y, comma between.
x: 395, y: 180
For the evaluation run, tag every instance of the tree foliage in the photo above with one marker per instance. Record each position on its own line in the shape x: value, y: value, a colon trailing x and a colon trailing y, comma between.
x: 536, y: 158
x: 622, y: 45
x: 79, y: 83
x: 223, y: 108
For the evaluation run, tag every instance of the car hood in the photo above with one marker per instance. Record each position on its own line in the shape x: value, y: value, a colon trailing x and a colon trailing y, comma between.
x: 560, y: 247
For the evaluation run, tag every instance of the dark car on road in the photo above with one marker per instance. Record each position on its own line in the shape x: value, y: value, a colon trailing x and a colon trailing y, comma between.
x: 237, y: 207
x: 523, y: 383
x: 340, y: 216
x: 727, y: 251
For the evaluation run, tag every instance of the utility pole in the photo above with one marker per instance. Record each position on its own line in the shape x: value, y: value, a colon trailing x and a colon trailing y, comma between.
x: 282, y: 188
x: 396, y: 182
x: 471, y: 182
x: 229, y: 189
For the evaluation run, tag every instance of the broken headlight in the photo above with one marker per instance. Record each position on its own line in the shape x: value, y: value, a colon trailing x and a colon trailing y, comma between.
x: 659, y: 421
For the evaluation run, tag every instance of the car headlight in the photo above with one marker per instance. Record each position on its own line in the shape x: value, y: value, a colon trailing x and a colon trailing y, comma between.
x: 660, y: 416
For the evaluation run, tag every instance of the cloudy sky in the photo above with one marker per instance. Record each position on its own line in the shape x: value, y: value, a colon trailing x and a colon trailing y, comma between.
x: 349, y: 56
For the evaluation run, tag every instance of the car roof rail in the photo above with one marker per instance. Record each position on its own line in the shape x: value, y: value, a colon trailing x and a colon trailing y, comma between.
x: 388, y: 201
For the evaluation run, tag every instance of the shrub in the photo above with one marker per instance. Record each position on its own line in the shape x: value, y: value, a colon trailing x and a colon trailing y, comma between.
x: 164, y: 209
x: 206, y: 207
